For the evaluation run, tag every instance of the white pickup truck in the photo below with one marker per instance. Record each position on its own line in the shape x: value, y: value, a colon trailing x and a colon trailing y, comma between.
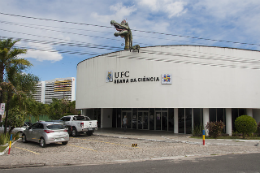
x: 79, y: 124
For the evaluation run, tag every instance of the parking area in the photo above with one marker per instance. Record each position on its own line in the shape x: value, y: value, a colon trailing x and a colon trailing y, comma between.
x: 100, y: 149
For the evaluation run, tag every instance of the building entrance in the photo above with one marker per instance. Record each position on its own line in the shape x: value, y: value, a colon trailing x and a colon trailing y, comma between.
x: 160, y: 120
x: 129, y: 118
x: 142, y: 120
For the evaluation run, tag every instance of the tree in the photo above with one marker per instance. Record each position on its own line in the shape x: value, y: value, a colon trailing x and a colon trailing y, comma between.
x: 245, y: 125
x: 15, y: 85
x: 8, y: 58
x: 59, y: 108
x: 16, y: 118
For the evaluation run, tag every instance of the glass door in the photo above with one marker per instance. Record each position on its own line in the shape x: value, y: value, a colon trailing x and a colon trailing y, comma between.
x: 158, y: 121
x: 142, y: 120
x: 188, y: 120
x: 118, y: 118
x: 145, y: 120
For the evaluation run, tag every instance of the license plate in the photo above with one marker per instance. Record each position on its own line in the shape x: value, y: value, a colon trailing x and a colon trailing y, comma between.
x: 59, y: 139
x: 90, y: 129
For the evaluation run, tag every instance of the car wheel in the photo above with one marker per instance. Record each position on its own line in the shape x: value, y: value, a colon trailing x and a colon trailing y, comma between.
x: 65, y: 143
x: 24, y: 138
x: 42, y: 142
x: 74, y: 132
x: 89, y: 133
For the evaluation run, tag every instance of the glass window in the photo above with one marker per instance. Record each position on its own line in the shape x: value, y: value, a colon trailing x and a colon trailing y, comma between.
x: 198, y: 114
x: 171, y: 120
x: 164, y: 120
x: 119, y: 118
x: 181, y: 120
x: 188, y: 120
x: 151, y: 119
x: 234, y: 117
x: 114, y: 118
x: 34, y: 126
x: 40, y: 126
x: 220, y: 114
x: 55, y: 126
x: 212, y: 115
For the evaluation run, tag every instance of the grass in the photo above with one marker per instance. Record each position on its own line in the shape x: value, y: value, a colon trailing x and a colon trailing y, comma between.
x: 2, y: 148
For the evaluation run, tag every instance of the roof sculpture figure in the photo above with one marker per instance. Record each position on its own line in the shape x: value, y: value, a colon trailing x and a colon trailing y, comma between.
x: 124, y: 31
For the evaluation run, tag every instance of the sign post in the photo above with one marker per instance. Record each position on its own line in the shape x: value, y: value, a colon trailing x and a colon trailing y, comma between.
x: 203, y: 133
x: 10, y: 144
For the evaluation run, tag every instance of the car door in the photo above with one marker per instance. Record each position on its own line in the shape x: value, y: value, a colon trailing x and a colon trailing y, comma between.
x: 33, y: 132
x: 29, y: 132
x: 37, y: 132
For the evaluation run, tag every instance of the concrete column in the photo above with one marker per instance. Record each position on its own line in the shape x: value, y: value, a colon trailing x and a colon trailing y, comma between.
x: 249, y: 112
x: 176, y: 123
x: 84, y: 112
x: 106, y: 118
x: 229, y: 121
x: 205, y: 119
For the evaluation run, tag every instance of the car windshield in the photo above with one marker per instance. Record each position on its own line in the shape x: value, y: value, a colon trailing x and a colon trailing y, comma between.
x: 55, y: 126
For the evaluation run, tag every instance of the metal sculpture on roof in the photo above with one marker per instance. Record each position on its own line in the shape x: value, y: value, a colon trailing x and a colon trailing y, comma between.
x: 125, y: 32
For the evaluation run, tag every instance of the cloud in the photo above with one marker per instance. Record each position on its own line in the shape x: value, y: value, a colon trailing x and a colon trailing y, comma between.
x: 42, y: 55
x: 119, y: 11
x: 170, y: 7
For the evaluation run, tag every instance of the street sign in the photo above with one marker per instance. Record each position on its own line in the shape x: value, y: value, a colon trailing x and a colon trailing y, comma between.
x: 2, y: 109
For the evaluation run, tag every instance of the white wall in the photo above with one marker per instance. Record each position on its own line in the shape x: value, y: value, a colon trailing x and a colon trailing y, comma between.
x: 193, y: 85
x: 106, y: 118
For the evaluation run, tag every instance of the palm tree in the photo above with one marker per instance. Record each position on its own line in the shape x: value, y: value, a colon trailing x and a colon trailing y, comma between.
x: 9, y: 60
x: 10, y: 66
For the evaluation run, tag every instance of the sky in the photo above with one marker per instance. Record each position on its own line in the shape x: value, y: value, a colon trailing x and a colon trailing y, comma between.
x: 80, y: 29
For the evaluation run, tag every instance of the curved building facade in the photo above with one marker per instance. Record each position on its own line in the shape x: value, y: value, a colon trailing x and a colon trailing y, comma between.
x: 173, y: 88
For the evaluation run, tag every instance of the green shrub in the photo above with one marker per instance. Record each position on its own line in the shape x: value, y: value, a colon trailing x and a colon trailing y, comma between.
x: 197, y: 131
x: 245, y: 124
x: 258, y: 129
x: 215, y: 128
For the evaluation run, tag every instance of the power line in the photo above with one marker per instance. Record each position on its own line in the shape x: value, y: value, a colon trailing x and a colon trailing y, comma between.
x: 236, y: 60
x: 153, y: 59
x: 151, y: 32
x: 26, y: 25
x: 83, y: 44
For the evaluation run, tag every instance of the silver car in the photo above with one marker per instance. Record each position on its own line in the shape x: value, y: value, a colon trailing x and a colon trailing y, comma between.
x: 46, y: 133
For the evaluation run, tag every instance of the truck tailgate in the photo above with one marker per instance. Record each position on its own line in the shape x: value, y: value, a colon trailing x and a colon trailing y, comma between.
x: 90, y: 124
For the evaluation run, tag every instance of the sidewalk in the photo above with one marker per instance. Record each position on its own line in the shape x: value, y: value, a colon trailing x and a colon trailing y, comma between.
x: 170, y: 137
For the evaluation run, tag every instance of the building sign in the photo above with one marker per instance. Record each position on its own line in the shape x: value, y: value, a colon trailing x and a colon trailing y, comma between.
x: 2, y: 108
x: 109, y: 77
x: 124, y: 77
x: 166, y: 79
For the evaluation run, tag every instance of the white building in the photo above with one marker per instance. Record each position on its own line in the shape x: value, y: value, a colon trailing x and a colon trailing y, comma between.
x: 172, y: 88
x: 57, y: 88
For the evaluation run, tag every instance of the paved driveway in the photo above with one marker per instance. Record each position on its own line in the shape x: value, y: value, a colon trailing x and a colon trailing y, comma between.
x: 103, y: 150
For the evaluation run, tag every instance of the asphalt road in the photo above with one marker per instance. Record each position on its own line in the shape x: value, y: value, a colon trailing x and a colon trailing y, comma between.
x: 237, y: 163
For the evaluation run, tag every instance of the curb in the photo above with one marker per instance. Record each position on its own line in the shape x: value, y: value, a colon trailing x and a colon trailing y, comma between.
x: 7, y: 148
